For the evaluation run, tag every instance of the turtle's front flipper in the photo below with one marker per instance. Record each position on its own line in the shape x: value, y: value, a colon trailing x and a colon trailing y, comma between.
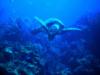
x: 42, y: 23
x: 70, y: 29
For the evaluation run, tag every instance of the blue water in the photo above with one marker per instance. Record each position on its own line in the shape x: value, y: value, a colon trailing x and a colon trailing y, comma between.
x: 70, y: 53
x: 68, y: 11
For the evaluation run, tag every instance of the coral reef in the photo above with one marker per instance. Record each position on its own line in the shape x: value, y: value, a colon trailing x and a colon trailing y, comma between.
x: 67, y: 56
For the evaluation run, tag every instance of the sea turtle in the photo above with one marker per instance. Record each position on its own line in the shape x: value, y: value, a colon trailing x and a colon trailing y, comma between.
x: 52, y: 27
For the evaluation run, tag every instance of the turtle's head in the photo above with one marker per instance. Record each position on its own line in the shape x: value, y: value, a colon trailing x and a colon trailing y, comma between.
x: 54, y: 28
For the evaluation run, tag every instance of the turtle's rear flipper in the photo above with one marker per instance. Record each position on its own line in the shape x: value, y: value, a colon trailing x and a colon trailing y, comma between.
x: 51, y: 37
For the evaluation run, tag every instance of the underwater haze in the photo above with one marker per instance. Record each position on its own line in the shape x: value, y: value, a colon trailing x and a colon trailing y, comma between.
x: 49, y: 37
x: 69, y: 11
